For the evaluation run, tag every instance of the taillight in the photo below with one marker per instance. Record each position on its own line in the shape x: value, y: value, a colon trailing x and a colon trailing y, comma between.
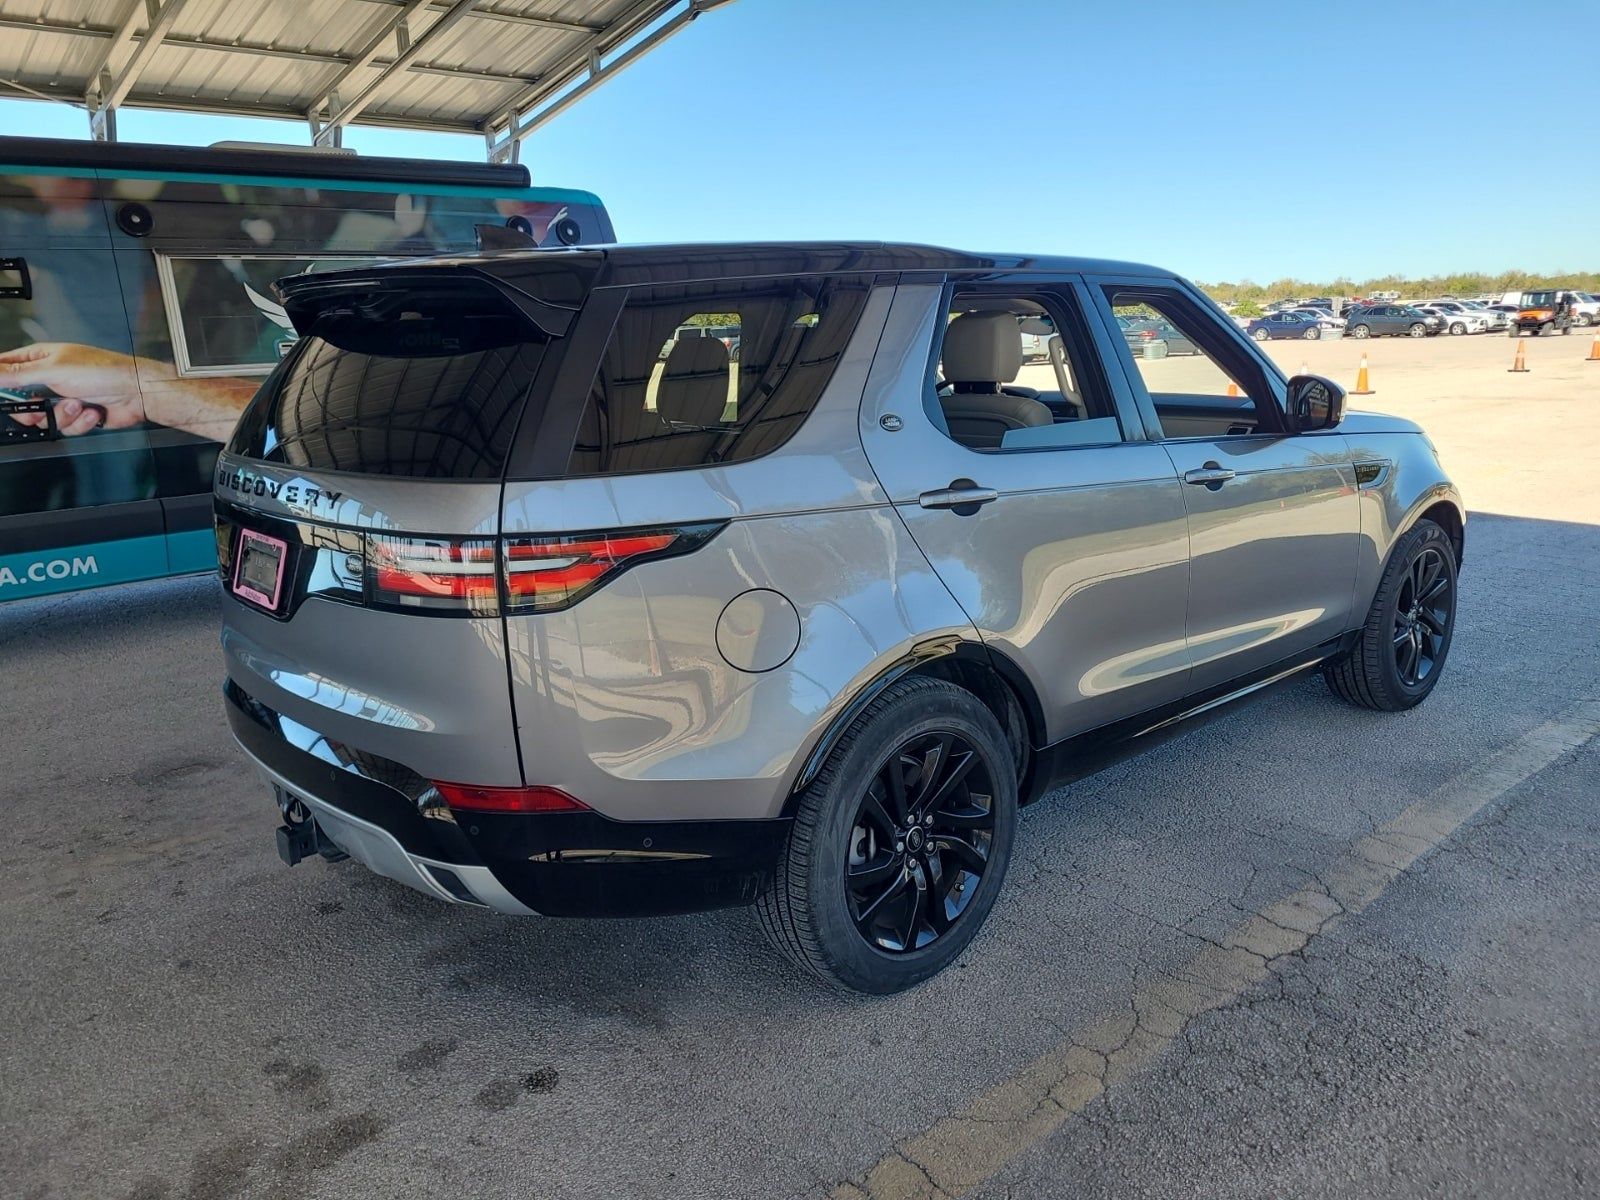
x: 466, y: 797
x: 1148, y: 335
x: 443, y: 574
x: 543, y: 574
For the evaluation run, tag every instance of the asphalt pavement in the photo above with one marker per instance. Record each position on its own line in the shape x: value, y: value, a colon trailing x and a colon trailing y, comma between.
x: 1302, y: 951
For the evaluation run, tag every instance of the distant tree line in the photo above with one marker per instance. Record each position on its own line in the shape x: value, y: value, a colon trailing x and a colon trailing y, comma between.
x: 1247, y: 294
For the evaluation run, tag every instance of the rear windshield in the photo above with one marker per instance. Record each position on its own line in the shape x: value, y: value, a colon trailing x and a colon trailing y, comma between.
x: 431, y: 390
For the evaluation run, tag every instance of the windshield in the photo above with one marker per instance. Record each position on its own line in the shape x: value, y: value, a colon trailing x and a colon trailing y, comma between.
x: 1538, y: 299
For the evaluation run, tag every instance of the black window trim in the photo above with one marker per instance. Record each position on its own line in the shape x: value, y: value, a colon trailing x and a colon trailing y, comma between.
x: 1068, y: 294
x: 1217, y: 335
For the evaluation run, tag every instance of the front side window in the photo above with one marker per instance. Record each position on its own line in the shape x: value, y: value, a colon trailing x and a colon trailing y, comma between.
x: 703, y: 375
x: 1200, y: 382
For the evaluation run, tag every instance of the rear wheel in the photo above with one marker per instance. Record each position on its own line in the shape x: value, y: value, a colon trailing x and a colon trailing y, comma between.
x: 1312, y: 334
x: 1403, y: 644
x: 1361, y: 331
x: 1261, y: 335
x: 899, y: 847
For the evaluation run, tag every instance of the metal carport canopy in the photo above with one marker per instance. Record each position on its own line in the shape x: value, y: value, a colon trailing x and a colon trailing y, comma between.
x: 499, y: 68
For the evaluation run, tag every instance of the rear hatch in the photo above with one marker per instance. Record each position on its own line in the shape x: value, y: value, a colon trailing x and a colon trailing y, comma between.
x: 358, y: 508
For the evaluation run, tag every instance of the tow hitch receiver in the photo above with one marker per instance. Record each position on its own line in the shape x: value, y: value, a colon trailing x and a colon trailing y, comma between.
x: 299, y: 837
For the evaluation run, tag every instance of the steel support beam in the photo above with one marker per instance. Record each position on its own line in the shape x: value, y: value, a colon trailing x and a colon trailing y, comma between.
x: 110, y: 93
x: 393, y: 26
x: 258, y: 50
x: 487, y: 13
x: 358, y: 103
x: 589, y: 57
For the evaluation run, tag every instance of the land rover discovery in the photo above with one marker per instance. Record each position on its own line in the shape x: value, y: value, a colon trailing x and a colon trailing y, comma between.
x: 534, y: 605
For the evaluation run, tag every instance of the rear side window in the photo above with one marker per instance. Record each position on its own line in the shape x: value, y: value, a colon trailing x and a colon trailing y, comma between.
x: 704, y: 374
x: 429, y: 386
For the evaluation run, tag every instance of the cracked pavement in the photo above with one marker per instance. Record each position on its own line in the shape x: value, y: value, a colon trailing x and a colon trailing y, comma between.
x: 1176, y: 994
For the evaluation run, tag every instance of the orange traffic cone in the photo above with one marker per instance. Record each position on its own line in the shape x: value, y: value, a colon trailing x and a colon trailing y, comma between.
x: 1233, y: 388
x: 1362, y: 388
x: 1594, y: 350
x: 1520, y: 367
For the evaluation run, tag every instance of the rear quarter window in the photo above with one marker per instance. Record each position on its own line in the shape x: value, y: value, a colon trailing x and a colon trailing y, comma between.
x: 700, y: 375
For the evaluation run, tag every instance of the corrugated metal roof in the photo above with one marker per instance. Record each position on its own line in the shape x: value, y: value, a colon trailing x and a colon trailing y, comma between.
x: 460, y: 65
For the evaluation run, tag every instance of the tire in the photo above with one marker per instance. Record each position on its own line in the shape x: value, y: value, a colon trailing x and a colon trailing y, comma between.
x: 1261, y: 335
x: 1418, y: 329
x: 812, y: 914
x: 1585, y: 320
x: 1457, y: 329
x: 1547, y: 327
x: 1361, y: 331
x: 1312, y: 334
x: 1373, y: 673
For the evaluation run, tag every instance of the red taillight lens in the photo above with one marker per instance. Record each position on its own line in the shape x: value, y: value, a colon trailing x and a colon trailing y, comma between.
x: 1148, y: 335
x: 437, y: 573
x: 466, y: 797
x: 548, y: 573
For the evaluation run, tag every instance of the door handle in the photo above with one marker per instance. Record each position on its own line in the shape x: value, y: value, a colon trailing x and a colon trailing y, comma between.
x: 963, y: 495
x: 1212, y: 475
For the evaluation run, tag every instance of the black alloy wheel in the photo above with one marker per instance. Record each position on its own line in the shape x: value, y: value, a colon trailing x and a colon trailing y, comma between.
x: 1422, y: 617
x: 919, y: 842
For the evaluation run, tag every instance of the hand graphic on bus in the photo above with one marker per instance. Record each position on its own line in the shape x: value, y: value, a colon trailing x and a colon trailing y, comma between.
x: 95, y: 386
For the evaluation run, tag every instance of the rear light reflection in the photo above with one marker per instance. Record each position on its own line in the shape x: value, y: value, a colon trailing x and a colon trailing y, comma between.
x: 466, y: 797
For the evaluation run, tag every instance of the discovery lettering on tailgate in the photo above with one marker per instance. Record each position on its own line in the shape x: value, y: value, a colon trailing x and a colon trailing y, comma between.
x: 245, y: 484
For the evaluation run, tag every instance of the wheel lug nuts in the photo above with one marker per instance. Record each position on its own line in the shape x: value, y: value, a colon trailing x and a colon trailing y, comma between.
x: 928, y: 820
x: 899, y: 845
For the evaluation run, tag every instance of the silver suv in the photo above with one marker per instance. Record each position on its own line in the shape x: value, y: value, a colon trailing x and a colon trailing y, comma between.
x: 533, y: 604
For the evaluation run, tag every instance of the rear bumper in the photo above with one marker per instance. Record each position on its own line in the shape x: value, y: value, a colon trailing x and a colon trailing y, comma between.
x: 555, y: 864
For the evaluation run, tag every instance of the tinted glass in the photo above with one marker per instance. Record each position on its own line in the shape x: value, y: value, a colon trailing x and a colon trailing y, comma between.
x: 430, y: 388
x: 708, y: 374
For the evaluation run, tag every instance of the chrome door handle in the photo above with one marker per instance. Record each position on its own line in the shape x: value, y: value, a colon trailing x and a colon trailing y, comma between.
x: 962, y: 494
x: 1209, y: 475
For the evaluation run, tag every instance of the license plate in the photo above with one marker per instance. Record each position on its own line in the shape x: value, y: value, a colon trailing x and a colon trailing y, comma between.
x: 258, y: 576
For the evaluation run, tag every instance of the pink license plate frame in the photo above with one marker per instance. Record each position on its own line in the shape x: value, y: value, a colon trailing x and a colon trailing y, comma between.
x: 249, y: 591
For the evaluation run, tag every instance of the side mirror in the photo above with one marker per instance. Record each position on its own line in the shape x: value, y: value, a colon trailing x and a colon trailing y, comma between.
x: 1314, y: 403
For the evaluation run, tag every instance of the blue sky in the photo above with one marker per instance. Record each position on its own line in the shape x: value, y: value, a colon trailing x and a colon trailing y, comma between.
x: 1223, y: 140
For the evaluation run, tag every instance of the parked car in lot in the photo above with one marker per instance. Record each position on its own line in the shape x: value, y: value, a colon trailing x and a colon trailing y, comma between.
x: 1549, y: 310
x: 1139, y: 333
x: 1324, y: 318
x: 1457, y: 319
x: 641, y: 656
x: 1498, y: 317
x: 1392, y: 320
x: 1285, y: 325
x: 1585, y: 308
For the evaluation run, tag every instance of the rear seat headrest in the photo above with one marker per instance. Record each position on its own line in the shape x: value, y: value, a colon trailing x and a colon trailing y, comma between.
x: 982, y: 347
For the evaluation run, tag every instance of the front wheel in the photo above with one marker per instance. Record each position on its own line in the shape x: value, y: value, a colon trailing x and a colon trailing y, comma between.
x: 1547, y: 327
x: 898, y: 848
x: 1457, y: 328
x: 1361, y: 331
x: 1397, y: 659
x: 1312, y: 334
x: 1418, y: 329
